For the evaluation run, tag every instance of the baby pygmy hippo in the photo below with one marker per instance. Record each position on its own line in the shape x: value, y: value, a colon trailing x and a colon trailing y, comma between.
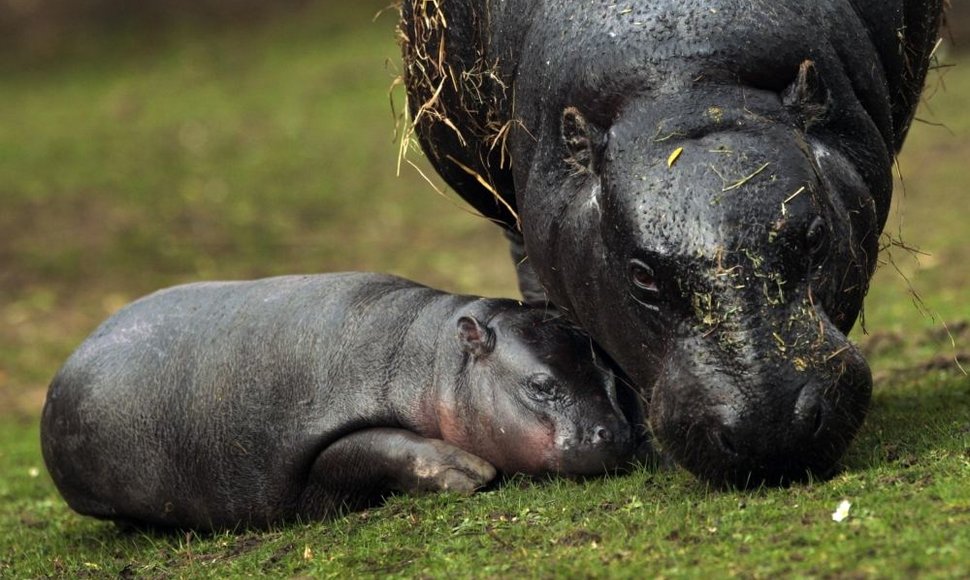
x: 233, y: 404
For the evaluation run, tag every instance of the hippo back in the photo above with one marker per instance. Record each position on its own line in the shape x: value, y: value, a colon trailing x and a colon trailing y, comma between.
x: 509, y: 64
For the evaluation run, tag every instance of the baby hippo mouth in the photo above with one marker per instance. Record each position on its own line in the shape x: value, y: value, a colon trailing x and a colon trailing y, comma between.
x: 602, y: 447
x: 605, y: 442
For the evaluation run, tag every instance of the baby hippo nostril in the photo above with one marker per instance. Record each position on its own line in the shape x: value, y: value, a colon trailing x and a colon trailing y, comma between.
x: 602, y: 435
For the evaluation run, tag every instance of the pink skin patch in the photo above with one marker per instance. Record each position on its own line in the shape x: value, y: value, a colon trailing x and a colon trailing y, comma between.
x: 448, y: 426
x: 534, y: 451
x: 531, y: 451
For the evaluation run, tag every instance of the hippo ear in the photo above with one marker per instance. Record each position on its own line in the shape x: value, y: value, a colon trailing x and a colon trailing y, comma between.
x: 474, y: 337
x: 807, y: 97
x: 582, y: 140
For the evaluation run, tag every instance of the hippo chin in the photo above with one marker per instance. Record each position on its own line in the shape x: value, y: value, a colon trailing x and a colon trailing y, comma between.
x: 700, y: 185
x: 218, y: 405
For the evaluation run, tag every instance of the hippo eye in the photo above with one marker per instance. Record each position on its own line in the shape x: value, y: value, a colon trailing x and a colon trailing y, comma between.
x: 816, y: 239
x: 644, y: 282
x: 642, y: 276
x: 542, y: 386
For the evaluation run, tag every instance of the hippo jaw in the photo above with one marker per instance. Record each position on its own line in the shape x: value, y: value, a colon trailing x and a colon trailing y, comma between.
x: 782, y: 415
x: 719, y: 254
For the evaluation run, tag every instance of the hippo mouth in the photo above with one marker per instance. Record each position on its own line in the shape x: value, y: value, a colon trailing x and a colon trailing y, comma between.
x: 741, y: 444
x: 634, y: 407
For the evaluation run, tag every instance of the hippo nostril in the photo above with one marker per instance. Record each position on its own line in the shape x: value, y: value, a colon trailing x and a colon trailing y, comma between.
x: 602, y: 435
x: 819, y: 422
x: 809, y: 413
x: 727, y: 445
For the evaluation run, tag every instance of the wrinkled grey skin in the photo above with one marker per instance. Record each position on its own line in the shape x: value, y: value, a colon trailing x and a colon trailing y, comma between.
x: 228, y: 404
x: 723, y: 280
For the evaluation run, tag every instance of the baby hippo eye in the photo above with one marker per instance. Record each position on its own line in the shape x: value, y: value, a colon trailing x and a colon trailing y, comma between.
x: 542, y: 386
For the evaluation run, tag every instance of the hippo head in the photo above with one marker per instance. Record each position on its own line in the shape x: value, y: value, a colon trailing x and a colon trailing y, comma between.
x: 742, y: 290
x: 700, y: 185
x: 718, y: 243
x: 534, y: 397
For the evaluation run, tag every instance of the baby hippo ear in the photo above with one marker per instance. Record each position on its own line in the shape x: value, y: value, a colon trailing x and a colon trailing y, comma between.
x: 474, y: 337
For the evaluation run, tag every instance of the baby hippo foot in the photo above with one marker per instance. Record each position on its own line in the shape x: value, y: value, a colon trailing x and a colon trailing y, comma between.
x: 363, y: 468
x: 439, y: 466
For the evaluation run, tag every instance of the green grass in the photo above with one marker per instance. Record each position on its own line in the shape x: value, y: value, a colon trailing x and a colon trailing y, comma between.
x: 263, y: 151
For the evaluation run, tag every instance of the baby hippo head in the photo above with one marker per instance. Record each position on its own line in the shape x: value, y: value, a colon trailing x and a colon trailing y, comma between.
x: 534, y: 396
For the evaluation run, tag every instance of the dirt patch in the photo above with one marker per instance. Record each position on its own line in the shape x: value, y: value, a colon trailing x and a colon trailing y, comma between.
x: 277, y: 556
x: 958, y: 332
x: 38, y: 330
x: 955, y: 363
x: 25, y: 405
x: 882, y: 342
x: 900, y: 351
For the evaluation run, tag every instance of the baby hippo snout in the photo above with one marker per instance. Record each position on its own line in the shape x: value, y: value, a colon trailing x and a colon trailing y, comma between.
x: 601, y: 435
x: 604, y: 446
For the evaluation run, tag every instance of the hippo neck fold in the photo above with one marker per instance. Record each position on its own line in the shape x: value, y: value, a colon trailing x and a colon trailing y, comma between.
x: 424, y: 363
x: 564, y: 242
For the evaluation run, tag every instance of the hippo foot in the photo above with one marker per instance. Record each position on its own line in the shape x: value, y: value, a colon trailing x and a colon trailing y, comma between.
x: 438, y: 466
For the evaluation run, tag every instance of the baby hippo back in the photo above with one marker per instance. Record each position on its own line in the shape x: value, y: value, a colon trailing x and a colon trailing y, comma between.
x: 211, y: 399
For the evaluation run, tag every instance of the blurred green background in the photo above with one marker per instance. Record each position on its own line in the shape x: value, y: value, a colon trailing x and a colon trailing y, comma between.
x: 198, y: 145
x: 145, y: 143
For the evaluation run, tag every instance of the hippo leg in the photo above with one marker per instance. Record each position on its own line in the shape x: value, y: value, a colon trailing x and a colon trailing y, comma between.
x: 359, y: 470
x: 532, y: 291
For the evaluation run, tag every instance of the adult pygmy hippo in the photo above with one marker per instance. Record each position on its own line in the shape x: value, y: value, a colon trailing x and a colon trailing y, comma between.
x: 700, y: 184
x: 220, y: 404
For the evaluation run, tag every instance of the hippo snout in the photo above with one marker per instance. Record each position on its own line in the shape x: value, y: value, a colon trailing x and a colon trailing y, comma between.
x: 600, y: 437
x: 809, y: 419
x: 597, y: 448
x: 742, y: 435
